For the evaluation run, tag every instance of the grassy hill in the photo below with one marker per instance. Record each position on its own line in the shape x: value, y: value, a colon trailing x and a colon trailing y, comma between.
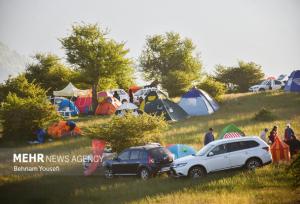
x: 270, y: 184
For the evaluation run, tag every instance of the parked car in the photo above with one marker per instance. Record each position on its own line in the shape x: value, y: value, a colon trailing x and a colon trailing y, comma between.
x: 143, y: 161
x: 267, y: 85
x: 123, y: 95
x: 249, y: 152
x: 142, y: 93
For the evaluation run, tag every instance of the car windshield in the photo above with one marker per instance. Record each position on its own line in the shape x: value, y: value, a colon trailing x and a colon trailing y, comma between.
x: 204, y: 149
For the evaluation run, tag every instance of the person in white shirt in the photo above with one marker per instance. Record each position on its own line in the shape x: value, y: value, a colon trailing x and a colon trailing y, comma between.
x: 263, y: 135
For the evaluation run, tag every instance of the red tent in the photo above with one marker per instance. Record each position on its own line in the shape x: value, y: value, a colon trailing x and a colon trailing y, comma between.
x: 84, y: 104
x: 280, y: 151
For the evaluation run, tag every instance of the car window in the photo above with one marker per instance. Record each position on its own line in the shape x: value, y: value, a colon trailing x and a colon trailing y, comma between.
x: 124, y: 155
x: 134, y: 155
x: 277, y: 82
x: 143, y: 155
x: 220, y: 149
x: 159, y: 152
x: 236, y: 146
x: 251, y: 144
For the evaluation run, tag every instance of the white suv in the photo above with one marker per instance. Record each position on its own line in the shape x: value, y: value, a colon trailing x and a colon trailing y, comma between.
x: 249, y: 152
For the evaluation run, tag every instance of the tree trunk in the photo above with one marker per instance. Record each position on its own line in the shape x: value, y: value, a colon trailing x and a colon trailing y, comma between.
x: 94, y: 98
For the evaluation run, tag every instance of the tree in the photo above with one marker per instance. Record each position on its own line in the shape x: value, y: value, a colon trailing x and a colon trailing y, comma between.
x: 129, y: 130
x: 24, y: 110
x: 49, y: 72
x: 169, y: 59
x: 244, y: 75
x: 95, y: 56
x: 215, y: 88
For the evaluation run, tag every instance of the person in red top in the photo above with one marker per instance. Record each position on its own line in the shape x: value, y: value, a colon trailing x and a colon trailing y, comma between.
x: 273, y: 134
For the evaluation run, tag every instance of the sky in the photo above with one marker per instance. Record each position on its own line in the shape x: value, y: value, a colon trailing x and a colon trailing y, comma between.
x: 264, y: 31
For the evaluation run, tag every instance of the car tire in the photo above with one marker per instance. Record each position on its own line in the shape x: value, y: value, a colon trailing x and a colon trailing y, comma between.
x: 253, y: 163
x: 196, y: 172
x: 144, y: 174
x: 108, y: 173
x: 261, y: 89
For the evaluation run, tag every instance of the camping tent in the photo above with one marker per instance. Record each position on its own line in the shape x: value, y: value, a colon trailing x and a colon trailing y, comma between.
x: 293, y: 83
x: 180, y: 150
x: 108, y: 106
x: 84, y: 104
x: 280, y: 151
x: 231, y: 131
x: 66, y: 104
x: 198, y: 102
x: 157, y: 103
x: 125, y: 107
x: 61, y: 129
x: 103, y: 95
x: 70, y: 90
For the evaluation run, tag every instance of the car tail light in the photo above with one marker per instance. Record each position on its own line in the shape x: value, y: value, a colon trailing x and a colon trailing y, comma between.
x: 150, y: 160
x: 266, y: 148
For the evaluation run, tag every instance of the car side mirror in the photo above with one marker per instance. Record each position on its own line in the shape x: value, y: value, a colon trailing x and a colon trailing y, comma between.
x: 210, y: 154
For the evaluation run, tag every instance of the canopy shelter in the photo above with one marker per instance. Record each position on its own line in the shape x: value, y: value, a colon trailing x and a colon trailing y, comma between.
x: 231, y: 131
x: 127, y: 107
x: 280, y: 151
x: 197, y: 102
x: 71, y: 91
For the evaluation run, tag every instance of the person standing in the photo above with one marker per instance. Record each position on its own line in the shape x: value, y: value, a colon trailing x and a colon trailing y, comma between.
x: 263, y: 134
x: 130, y: 96
x: 209, y: 136
x: 273, y: 134
x: 116, y: 95
x: 288, y: 133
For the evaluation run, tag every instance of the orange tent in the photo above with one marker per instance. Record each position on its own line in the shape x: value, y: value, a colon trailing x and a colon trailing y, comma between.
x: 108, y: 106
x: 134, y: 88
x: 60, y: 129
x: 280, y: 151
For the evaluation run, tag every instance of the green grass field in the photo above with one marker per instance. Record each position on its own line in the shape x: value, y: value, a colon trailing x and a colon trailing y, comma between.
x: 270, y: 184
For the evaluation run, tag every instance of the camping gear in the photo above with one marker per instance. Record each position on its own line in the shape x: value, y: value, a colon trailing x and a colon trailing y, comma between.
x: 180, y: 150
x: 280, y: 151
x: 71, y: 91
x: 198, y: 102
x: 293, y: 83
x: 231, y: 131
x: 108, y: 106
x: 134, y: 88
x: 61, y: 129
x: 157, y: 103
x: 84, y: 104
x: 65, y: 105
x: 97, y: 151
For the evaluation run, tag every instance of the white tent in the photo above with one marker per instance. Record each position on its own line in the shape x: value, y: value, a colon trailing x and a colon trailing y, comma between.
x: 70, y: 90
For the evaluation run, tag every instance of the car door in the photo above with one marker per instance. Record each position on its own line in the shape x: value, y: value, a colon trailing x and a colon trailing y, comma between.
x: 119, y: 166
x: 217, y: 159
x: 277, y: 85
x: 134, y: 161
x: 237, y: 153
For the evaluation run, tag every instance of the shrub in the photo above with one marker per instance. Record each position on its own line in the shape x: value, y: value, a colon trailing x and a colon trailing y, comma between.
x: 130, y: 130
x: 24, y: 111
x: 264, y: 115
x: 294, y: 169
x: 215, y: 88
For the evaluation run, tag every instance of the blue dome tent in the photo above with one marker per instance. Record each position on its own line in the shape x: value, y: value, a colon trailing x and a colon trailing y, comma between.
x: 198, y: 102
x: 64, y: 103
x: 293, y: 83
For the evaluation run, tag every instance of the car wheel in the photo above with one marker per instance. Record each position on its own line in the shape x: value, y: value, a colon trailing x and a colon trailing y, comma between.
x: 196, y: 172
x: 261, y: 89
x: 144, y: 174
x: 108, y: 173
x: 253, y: 163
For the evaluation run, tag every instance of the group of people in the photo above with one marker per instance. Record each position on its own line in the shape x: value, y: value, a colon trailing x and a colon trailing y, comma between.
x: 289, y: 137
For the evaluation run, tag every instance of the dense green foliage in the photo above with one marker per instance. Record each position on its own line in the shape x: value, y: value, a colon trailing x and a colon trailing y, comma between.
x: 49, y: 72
x: 295, y: 170
x: 215, y: 88
x: 130, y: 130
x: 97, y: 57
x: 24, y: 110
x: 244, y: 75
x: 170, y: 60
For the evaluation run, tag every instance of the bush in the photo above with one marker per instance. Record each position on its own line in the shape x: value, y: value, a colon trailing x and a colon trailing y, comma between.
x: 130, y: 130
x: 264, y: 115
x: 215, y: 88
x: 25, y: 110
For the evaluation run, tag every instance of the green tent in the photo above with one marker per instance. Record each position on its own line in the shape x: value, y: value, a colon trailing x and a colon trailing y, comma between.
x: 231, y: 131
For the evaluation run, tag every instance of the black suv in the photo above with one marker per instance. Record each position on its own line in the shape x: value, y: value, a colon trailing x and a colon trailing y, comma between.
x: 144, y: 161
